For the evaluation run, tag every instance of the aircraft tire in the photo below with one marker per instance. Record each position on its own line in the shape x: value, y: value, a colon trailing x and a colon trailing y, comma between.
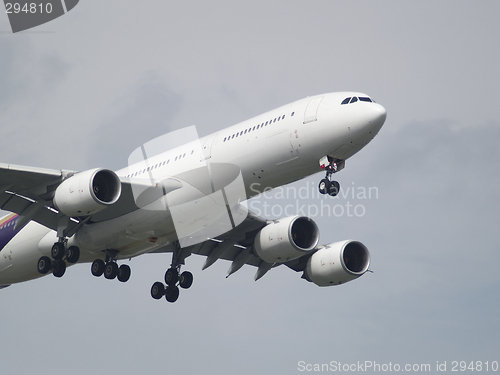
x: 111, y: 270
x: 123, y: 273
x: 58, y: 268
x: 73, y: 254
x: 171, y: 276
x: 334, y: 188
x: 171, y: 293
x: 58, y: 251
x: 324, y: 186
x: 186, y: 280
x: 97, y: 267
x: 157, y: 290
x: 44, y: 264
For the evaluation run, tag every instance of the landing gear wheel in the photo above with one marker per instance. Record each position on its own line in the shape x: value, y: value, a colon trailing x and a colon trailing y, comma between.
x: 58, y: 268
x: 58, y: 251
x: 98, y: 267
x: 44, y: 264
x: 324, y: 186
x: 334, y: 188
x: 157, y: 290
x: 171, y: 293
x: 73, y: 254
x: 123, y: 273
x: 186, y: 280
x: 111, y: 270
x: 171, y: 277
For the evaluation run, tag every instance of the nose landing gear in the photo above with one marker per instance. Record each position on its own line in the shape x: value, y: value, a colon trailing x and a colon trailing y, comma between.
x: 327, y: 185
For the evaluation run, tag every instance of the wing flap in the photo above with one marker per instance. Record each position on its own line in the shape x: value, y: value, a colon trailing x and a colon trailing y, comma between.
x: 15, y: 203
x: 241, y: 239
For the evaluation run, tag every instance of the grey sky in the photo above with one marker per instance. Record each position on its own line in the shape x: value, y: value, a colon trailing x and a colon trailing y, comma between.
x: 85, y: 90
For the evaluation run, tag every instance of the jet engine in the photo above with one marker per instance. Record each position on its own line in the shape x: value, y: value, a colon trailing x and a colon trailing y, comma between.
x: 87, y: 192
x: 286, y: 239
x: 337, y: 263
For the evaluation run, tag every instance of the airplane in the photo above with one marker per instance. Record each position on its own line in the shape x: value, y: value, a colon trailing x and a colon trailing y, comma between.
x: 60, y: 218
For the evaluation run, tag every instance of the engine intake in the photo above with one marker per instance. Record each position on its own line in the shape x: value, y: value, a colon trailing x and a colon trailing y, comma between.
x: 87, y: 192
x: 337, y: 263
x: 286, y: 239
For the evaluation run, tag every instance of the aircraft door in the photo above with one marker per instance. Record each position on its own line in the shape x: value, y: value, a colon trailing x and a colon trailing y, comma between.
x: 311, y: 113
x: 206, y: 152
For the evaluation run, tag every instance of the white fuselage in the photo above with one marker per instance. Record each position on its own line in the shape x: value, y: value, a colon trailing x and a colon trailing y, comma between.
x: 272, y: 149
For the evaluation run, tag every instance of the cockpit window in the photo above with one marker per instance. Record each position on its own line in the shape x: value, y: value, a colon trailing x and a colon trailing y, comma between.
x: 355, y: 99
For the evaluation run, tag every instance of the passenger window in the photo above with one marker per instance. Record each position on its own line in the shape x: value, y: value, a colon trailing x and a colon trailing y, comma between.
x: 345, y: 101
x: 354, y: 99
x: 258, y: 126
x: 293, y: 113
x: 245, y: 131
x: 224, y: 139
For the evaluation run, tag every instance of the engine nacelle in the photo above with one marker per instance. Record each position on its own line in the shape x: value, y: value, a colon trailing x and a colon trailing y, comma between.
x: 338, y: 263
x: 286, y: 239
x: 87, y: 192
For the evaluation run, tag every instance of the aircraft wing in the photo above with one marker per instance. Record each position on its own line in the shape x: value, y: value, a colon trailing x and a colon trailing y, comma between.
x: 236, y: 246
x: 28, y: 191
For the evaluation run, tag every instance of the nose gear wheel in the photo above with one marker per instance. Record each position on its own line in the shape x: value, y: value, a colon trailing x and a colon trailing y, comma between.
x: 327, y: 185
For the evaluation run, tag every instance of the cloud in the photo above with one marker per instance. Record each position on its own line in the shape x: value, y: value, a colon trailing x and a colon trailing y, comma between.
x: 27, y: 76
x: 143, y: 113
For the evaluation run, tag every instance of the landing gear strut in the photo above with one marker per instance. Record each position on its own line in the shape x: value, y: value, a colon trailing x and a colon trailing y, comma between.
x: 110, y: 269
x: 60, y: 255
x: 173, y: 279
x: 327, y: 185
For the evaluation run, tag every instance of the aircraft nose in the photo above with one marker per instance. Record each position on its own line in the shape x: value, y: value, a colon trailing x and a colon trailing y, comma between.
x: 379, y: 114
x: 377, y: 117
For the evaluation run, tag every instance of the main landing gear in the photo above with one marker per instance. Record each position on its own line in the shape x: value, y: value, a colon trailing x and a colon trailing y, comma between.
x: 173, y: 279
x: 60, y: 255
x: 109, y: 268
x: 327, y: 185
